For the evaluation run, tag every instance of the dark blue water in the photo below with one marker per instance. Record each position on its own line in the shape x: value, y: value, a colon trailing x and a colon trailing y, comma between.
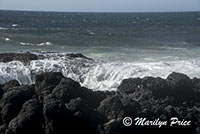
x: 104, y: 36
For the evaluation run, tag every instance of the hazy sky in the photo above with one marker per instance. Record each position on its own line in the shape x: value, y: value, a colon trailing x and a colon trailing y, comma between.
x: 102, y: 5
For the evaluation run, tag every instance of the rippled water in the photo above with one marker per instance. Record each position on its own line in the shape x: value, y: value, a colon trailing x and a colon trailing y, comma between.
x: 123, y: 45
x: 104, y: 36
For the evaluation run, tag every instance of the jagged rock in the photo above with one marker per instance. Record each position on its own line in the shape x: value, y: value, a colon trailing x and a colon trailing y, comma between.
x: 67, y: 89
x: 196, y: 85
x: 3, y: 129
x: 29, y: 120
x: 92, y: 98
x: 135, y: 88
x: 23, y: 57
x: 9, y: 85
x: 159, y: 87
x: 118, y: 107
x: 112, y: 127
x: 64, y: 106
x: 112, y: 107
x: 77, y: 55
x: 46, y: 82
x: 130, y: 106
x: 87, y: 120
x: 13, y: 100
x: 1, y: 91
x: 182, y: 88
x: 58, y: 118
x: 129, y: 86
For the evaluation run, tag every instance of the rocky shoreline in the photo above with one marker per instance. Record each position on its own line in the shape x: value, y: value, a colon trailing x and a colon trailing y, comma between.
x: 56, y: 104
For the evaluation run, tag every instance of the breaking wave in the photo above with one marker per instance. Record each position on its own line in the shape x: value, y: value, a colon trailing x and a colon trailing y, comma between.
x: 39, y: 44
x: 93, y: 74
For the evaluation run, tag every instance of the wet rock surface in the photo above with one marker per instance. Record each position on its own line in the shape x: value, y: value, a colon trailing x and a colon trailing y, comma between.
x: 55, y: 105
x: 29, y: 56
x: 23, y: 57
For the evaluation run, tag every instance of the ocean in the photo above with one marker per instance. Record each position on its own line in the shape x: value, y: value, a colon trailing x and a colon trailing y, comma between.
x: 123, y: 45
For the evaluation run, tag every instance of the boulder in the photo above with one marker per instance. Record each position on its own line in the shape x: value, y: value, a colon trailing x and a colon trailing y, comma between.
x: 67, y: 89
x: 46, y: 82
x: 182, y: 88
x: 86, y: 119
x: 13, y: 100
x: 112, y: 107
x: 9, y: 85
x: 117, y: 107
x: 159, y: 87
x: 29, y: 120
x: 129, y: 86
x: 92, y: 98
x: 58, y: 119
x: 196, y: 85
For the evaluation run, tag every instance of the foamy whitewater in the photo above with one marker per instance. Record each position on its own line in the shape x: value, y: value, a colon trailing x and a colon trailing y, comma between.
x: 123, y: 45
x: 92, y: 74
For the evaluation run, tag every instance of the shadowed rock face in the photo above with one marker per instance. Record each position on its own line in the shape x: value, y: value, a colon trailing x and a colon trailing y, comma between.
x: 56, y: 105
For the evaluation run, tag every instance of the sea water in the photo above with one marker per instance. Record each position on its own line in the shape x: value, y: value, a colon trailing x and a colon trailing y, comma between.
x: 123, y: 45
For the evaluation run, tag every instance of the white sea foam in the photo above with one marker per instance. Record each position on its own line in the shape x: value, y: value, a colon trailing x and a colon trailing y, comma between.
x: 174, y: 48
x: 92, y: 33
x: 44, y: 44
x: 6, y: 39
x: 95, y: 75
x: 26, y: 44
x: 14, y: 25
x: 39, y: 44
x: 2, y: 28
x: 15, y: 70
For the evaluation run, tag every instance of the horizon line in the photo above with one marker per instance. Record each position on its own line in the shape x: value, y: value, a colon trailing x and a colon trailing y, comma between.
x: 17, y: 10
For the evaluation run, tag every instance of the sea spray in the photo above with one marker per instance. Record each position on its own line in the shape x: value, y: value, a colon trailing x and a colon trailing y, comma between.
x: 93, y: 74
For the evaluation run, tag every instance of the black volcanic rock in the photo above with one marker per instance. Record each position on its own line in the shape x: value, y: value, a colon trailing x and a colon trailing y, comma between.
x: 77, y: 55
x: 1, y: 91
x: 23, y: 57
x: 112, y: 107
x: 56, y: 105
x: 86, y: 118
x: 196, y: 85
x: 58, y: 118
x: 129, y: 86
x: 46, y: 82
x: 13, y: 100
x: 182, y: 88
x: 29, y: 120
x: 159, y: 87
x: 118, y: 107
x: 9, y: 85
x: 3, y: 129
x: 67, y: 89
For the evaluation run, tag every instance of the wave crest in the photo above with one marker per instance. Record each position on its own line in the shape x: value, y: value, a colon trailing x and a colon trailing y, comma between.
x: 91, y: 74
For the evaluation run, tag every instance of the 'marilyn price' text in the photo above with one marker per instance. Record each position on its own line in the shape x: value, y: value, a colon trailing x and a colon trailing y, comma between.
x: 157, y: 122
